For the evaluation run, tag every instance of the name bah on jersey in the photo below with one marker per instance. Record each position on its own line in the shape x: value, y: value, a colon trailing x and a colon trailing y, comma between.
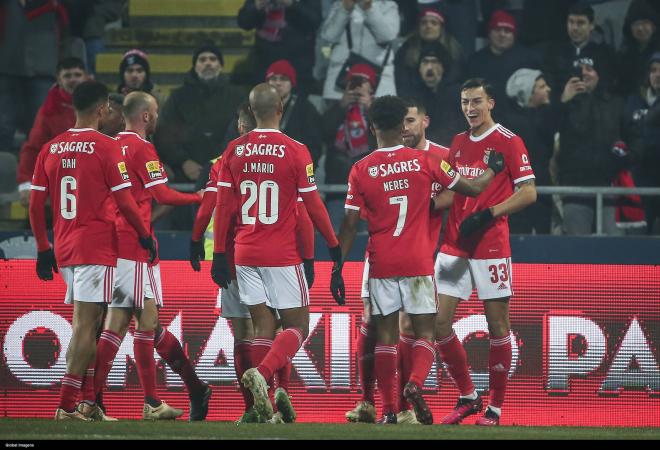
x: 78, y: 147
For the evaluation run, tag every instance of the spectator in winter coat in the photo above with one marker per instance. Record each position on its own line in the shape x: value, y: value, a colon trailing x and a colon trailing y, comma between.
x: 54, y: 117
x: 372, y: 26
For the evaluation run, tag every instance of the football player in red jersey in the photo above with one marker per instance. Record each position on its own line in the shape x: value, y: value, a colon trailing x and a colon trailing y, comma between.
x: 263, y: 174
x: 391, y: 189
x: 84, y: 174
x: 229, y: 299
x: 476, y: 253
x: 414, y: 136
x: 138, y: 289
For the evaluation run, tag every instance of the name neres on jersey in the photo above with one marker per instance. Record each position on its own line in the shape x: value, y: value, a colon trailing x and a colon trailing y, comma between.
x: 78, y: 147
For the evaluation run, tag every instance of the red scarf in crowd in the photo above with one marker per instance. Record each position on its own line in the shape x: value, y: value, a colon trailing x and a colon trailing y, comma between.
x: 275, y: 21
x: 353, y: 134
x: 629, y: 210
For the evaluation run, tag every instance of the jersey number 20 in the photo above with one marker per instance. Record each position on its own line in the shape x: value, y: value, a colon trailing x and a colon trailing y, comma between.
x: 261, y: 193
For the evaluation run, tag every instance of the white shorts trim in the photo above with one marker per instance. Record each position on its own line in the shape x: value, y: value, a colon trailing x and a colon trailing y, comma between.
x: 229, y: 302
x: 279, y: 287
x: 88, y: 283
x: 135, y: 281
x: 458, y: 276
x: 365, y: 279
x: 414, y: 295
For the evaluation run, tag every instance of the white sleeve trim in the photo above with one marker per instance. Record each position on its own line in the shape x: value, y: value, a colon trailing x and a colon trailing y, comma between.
x: 453, y: 183
x: 211, y: 189
x: 154, y: 183
x: 308, y: 189
x: 355, y: 208
x: 223, y: 184
x: 38, y: 188
x: 121, y: 186
x: 24, y: 186
x: 521, y: 179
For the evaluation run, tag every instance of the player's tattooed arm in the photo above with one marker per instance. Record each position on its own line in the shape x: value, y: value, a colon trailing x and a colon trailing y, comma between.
x: 524, y: 195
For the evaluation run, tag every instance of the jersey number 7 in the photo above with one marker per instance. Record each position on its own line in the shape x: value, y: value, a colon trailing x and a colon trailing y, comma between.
x: 402, y: 201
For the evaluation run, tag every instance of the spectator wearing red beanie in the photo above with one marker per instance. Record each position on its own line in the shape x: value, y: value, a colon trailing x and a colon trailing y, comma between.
x: 300, y: 119
x: 502, y: 56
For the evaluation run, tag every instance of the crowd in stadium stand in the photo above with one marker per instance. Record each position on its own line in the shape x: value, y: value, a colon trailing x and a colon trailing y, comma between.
x: 578, y: 80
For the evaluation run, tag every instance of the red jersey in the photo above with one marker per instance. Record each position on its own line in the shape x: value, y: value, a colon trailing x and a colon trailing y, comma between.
x: 79, y: 169
x: 393, y: 185
x: 146, y: 171
x: 467, y: 154
x: 265, y: 169
x: 442, y: 153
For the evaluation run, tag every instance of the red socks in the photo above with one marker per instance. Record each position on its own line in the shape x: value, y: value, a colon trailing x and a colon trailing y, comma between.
x: 285, y: 346
x: 453, y: 355
x: 88, y: 392
x: 169, y: 348
x: 385, y: 365
x: 405, y: 363
x: 242, y: 362
x: 143, y: 347
x: 284, y: 375
x: 106, y: 350
x: 366, y: 344
x: 423, y: 355
x: 69, y: 392
x: 499, y: 363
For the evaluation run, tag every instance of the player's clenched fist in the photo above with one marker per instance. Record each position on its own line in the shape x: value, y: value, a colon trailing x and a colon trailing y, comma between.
x: 336, y: 279
x: 149, y: 244
x: 220, y: 270
x: 496, y: 162
x: 46, y: 264
x: 475, y: 222
x: 196, y: 254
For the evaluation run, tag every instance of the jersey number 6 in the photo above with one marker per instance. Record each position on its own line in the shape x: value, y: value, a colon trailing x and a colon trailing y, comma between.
x: 67, y: 199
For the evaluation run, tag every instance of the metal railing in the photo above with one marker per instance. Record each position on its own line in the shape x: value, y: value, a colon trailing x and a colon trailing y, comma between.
x: 574, y: 191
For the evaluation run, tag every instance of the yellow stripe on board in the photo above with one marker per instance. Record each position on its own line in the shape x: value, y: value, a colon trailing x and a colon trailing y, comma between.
x: 223, y: 8
x: 160, y: 63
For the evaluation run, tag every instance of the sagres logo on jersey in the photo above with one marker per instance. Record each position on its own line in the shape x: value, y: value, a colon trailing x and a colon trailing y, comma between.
x: 53, y: 148
x: 153, y: 169
x: 122, y: 170
x: 239, y: 150
x: 373, y: 171
x: 310, y: 173
x: 446, y: 168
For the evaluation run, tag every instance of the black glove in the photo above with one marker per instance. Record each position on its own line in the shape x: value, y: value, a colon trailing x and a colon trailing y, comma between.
x: 475, y: 221
x: 197, y: 254
x: 336, y: 279
x: 46, y: 264
x: 220, y: 270
x: 308, y: 265
x: 148, y: 243
x: 496, y: 161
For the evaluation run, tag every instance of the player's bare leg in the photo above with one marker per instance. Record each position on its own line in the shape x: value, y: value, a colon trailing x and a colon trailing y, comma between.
x: 365, y: 411
x: 79, y: 354
x: 453, y: 354
x: 499, y: 358
x: 423, y: 355
x: 385, y: 363
x: 146, y: 321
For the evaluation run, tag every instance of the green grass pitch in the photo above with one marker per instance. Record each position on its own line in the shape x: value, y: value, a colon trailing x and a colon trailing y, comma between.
x: 26, y: 430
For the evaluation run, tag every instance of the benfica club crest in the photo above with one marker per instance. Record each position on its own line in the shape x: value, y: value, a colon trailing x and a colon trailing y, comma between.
x: 373, y: 171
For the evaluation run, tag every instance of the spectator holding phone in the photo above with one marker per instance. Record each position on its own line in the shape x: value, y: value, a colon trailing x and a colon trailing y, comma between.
x: 366, y: 28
